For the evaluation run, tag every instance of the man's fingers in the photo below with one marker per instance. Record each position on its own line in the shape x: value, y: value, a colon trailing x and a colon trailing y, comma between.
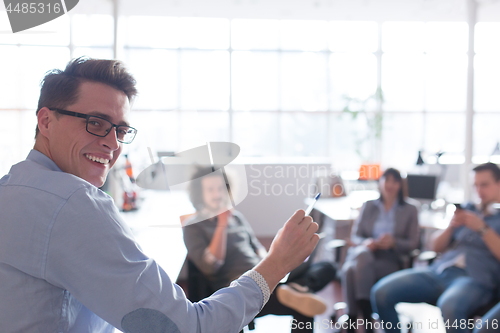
x: 307, y: 225
x: 313, y: 227
x: 303, y: 216
x: 298, y: 216
x: 306, y: 222
x: 314, y: 240
x: 295, y: 219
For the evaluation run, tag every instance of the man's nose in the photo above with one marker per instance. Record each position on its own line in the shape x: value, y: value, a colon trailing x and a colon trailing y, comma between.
x: 110, y: 140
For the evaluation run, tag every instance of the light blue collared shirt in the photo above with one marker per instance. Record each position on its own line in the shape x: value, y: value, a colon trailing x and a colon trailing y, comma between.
x: 480, y: 263
x: 68, y: 263
x: 385, y: 221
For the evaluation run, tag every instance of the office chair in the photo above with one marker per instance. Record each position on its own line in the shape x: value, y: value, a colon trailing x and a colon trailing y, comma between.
x: 337, y: 245
x: 198, y: 287
x: 324, y: 179
x: 406, y: 262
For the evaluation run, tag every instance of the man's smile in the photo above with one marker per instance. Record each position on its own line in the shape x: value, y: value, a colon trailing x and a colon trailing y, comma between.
x: 97, y: 159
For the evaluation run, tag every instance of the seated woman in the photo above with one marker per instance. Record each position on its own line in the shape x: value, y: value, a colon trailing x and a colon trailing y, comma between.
x: 386, y: 230
x: 223, y: 246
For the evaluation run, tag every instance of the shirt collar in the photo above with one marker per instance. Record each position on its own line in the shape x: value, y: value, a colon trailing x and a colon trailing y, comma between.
x: 42, y: 159
x: 489, y: 210
x: 380, y: 205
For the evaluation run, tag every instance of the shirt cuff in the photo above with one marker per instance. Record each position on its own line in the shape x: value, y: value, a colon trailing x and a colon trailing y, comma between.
x: 261, y: 282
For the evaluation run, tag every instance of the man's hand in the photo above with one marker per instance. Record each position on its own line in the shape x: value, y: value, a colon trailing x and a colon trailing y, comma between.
x: 458, y: 219
x: 441, y: 239
x: 291, y: 246
x: 472, y: 221
x: 295, y: 241
x: 385, y: 242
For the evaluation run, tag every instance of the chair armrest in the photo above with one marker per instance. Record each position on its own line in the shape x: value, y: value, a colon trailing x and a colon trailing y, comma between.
x: 415, y: 253
x: 336, y: 243
x: 428, y: 256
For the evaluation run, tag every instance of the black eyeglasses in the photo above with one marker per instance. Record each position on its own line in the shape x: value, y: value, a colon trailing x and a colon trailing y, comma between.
x: 99, y: 126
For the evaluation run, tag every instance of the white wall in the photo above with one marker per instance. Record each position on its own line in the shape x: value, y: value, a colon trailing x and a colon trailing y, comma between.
x: 378, y: 10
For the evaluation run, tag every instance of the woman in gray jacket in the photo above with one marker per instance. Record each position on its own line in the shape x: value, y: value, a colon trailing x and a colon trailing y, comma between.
x: 385, y: 232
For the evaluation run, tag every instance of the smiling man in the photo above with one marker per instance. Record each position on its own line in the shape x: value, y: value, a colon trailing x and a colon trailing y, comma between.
x: 68, y: 263
x: 65, y: 135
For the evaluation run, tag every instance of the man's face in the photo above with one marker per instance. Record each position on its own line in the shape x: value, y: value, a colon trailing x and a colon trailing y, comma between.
x: 487, y: 188
x: 214, y: 192
x: 72, y: 147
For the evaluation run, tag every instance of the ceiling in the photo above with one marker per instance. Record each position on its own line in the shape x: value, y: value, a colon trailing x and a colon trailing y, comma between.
x: 374, y: 10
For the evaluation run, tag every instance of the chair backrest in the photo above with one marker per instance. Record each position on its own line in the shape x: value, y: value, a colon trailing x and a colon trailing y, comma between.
x: 330, y: 185
x: 198, y: 286
x: 183, y: 218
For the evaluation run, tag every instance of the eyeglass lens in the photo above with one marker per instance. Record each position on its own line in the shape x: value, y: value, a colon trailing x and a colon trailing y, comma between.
x: 101, y: 127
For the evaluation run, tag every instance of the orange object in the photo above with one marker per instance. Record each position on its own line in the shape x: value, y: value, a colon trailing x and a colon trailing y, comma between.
x: 369, y: 172
x: 184, y: 218
x: 129, y: 201
x: 128, y: 168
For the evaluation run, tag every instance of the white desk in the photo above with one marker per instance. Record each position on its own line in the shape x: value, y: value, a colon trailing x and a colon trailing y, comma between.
x: 343, y: 208
x: 346, y: 209
x: 157, y: 228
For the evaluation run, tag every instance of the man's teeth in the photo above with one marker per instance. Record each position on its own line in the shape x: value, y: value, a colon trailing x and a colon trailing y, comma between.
x: 97, y: 159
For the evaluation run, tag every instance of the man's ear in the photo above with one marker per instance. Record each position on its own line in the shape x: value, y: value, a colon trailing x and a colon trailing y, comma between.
x: 44, y: 117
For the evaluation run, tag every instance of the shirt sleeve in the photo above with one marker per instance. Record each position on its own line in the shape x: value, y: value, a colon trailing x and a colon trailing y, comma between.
x: 357, y: 235
x: 264, y: 287
x: 410, y: 241
x: 93, y: 255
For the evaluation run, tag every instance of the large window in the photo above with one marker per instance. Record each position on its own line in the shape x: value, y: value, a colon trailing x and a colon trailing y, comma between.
x: 24, y: 58
x: 487, y: 88
x: 424, y: 76
x: 280, y: 86
x: 275, y: 87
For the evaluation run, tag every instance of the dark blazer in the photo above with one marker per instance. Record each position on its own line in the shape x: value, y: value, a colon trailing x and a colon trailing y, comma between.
x: 406, y: 229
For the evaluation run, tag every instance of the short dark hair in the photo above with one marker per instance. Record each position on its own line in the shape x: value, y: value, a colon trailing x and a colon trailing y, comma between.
x: 394, y: 173
x: 60, y: 88
x: 495, y: 170
x: 195, y: 188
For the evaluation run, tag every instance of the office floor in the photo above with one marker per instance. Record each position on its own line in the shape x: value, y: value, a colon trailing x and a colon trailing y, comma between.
x: 423, y: 316
x: 281, y: 324
x: 331, y: 294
